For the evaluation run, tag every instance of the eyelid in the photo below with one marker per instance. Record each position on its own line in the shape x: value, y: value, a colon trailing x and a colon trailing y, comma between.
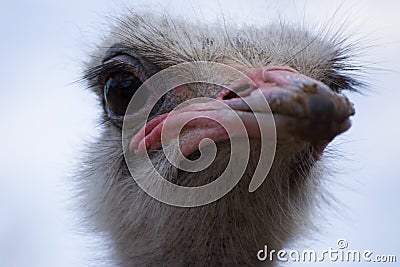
x: 116, y: 50
x: 129, y: 63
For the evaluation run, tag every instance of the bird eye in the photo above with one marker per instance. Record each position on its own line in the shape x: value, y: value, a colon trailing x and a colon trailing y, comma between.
x: 119, y: 90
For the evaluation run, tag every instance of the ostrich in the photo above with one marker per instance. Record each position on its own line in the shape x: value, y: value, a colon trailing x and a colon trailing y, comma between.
x: 302, y: 76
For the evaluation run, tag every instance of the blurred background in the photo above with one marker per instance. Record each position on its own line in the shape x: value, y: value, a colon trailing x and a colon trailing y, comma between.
x: 46, y: 119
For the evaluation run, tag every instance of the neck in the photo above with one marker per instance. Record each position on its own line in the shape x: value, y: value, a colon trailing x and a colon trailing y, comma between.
x: 229, y: 231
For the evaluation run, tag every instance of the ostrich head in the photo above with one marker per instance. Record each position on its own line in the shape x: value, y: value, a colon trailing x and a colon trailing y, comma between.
x: 299, y: 74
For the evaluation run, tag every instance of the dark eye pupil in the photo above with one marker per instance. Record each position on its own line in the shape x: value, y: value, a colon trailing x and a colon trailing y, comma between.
x: 119, y: 90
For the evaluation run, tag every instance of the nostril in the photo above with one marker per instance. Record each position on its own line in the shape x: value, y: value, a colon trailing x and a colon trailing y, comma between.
x: 230, y: 95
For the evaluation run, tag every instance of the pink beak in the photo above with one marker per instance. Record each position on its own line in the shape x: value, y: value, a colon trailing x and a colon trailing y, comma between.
x: 300, y: 108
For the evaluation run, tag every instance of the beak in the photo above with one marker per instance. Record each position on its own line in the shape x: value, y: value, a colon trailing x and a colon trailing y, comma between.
x: 272, y: 101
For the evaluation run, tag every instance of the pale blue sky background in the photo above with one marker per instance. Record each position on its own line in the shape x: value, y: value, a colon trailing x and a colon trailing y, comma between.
x: 45, y: 119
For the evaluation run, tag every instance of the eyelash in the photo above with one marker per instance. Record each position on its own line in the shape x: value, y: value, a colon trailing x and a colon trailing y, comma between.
x: 98, y: 75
